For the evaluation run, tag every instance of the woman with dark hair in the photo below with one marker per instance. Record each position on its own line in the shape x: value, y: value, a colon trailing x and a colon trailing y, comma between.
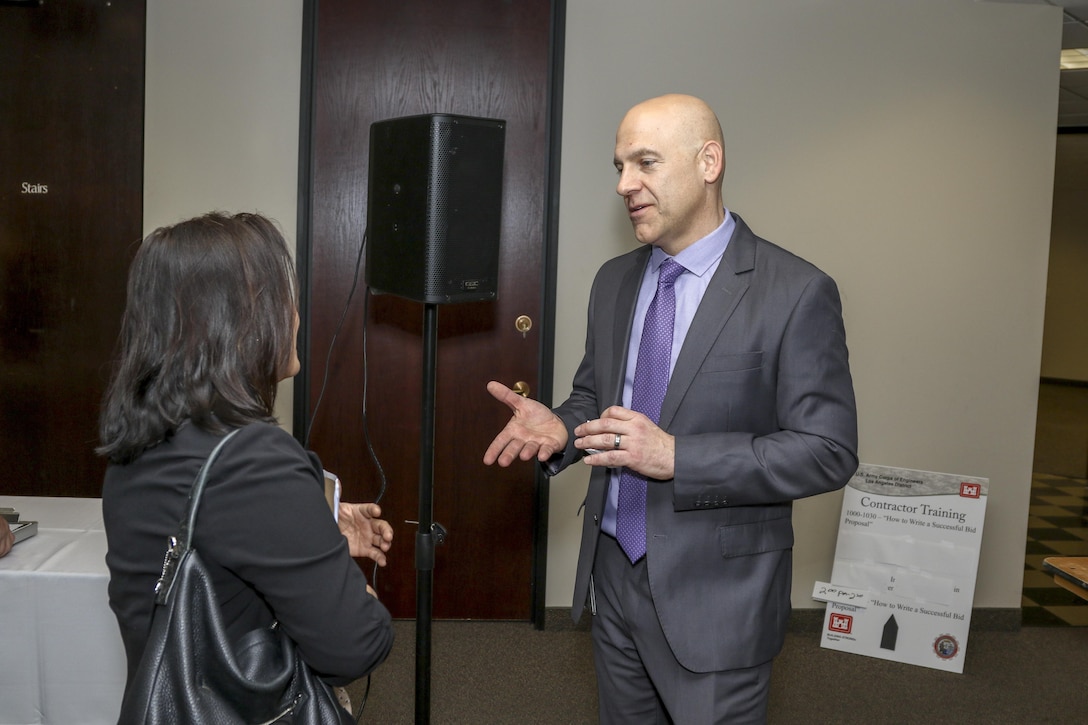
x: 208, y: 331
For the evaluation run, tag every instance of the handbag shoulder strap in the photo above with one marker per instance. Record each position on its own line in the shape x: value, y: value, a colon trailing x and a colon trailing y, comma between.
x: 185, y: 528
x: 180, y: 543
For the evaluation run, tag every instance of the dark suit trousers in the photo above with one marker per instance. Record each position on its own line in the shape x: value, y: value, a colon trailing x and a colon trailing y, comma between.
x: 638, y: 678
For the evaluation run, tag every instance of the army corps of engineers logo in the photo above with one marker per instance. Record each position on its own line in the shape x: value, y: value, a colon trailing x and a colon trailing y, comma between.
x: 841, y: 623
x: 946, y: 647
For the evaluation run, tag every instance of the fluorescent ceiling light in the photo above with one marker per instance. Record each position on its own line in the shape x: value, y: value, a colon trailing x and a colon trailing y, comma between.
x: 1074, y: 58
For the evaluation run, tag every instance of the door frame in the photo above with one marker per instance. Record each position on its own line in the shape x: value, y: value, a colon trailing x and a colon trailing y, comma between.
x: 304, y: 250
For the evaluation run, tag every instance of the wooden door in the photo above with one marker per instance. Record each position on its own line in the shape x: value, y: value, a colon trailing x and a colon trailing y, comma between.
x: 377, y: 60
x: 71, y: 197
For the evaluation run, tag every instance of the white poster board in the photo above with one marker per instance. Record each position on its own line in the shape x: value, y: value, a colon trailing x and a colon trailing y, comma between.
x: 905, y: 565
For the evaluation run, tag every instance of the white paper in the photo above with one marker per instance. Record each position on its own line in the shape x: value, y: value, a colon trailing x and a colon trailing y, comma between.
x: 911, y: 539
x: 824, y: 592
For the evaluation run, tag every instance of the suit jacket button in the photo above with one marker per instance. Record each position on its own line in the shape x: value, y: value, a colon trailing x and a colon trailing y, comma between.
x: 595, y: 520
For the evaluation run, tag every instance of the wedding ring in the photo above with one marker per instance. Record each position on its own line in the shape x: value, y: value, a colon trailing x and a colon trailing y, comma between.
x: 616, y: 442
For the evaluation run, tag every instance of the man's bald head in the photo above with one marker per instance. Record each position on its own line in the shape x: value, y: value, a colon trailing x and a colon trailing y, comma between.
x: 670, y: 160
x: 693, y: 121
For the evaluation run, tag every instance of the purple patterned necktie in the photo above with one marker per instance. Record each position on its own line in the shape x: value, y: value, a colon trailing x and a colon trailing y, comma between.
x: 647, y: 392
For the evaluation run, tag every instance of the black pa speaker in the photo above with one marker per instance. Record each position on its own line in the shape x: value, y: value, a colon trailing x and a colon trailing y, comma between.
x: 434, y: 207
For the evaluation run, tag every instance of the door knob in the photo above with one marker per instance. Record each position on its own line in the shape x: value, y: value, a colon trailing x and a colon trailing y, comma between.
x: 521, y: 388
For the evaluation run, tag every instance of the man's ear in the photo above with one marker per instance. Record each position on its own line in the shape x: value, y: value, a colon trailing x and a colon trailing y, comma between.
x: 712, y: 158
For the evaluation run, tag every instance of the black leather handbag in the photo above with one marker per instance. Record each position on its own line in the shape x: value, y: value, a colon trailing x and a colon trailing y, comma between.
x: 191, y: 672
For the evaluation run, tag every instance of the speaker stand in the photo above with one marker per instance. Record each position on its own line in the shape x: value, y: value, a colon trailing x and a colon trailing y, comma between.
x: 429, y: 533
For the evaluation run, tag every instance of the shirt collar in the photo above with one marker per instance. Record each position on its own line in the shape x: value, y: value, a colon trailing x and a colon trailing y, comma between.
x: 704, y: 254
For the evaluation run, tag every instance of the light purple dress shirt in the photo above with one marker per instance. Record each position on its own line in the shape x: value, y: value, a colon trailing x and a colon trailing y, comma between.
x: 700, y: 260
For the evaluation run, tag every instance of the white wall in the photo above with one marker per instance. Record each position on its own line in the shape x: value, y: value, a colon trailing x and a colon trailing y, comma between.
x: 221, y: 114
x: 907, y: 148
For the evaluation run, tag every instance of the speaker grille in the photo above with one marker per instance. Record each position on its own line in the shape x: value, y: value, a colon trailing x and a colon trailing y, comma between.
x: 442, y: 143
x: 433, y: 216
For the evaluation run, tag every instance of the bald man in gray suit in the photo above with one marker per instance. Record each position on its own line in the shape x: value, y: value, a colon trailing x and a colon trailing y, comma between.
x: 758, y: 411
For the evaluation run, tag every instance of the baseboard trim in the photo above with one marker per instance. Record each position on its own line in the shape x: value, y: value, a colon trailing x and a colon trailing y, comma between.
x: 1065, y: 381
x: 811, y: 620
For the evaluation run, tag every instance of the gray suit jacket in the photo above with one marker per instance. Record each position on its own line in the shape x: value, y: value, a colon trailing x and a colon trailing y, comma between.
x: 762, y: 406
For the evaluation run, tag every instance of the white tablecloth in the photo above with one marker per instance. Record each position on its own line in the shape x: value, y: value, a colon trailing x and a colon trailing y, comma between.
x: 61, y: 657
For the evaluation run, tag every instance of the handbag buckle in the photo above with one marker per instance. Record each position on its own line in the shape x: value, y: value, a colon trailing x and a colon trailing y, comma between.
x: 169, y: 566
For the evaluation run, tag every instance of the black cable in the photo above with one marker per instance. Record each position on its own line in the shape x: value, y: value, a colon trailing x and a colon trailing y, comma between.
x: 335, y: 334
x: 366, y: 377
x: 373, y: 457
x: 362, y: 705
x: 366, y: 418
x: 366, y: 425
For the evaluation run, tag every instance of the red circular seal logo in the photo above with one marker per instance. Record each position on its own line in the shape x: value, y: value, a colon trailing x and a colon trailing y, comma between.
x: 946, y: 647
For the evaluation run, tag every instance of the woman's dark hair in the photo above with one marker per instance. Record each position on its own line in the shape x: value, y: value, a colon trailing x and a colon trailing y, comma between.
x: 207, y: 333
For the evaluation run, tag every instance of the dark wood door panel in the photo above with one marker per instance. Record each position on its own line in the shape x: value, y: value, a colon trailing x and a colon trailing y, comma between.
x: 485, y: 58
x: 71, y: 197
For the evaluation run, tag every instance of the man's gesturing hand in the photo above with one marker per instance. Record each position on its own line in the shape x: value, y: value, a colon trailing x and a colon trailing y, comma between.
x: 533, y: 431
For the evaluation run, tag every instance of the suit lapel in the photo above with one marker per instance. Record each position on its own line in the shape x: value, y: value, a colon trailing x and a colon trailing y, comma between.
x: 626, y: 297
x: 720, y: 300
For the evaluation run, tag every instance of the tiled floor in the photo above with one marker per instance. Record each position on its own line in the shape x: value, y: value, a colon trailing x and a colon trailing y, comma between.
x: 1057, y: 526
x: 1058, y: 515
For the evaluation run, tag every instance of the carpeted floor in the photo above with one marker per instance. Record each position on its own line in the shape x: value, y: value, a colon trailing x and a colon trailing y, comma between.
x: 493, y: 673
